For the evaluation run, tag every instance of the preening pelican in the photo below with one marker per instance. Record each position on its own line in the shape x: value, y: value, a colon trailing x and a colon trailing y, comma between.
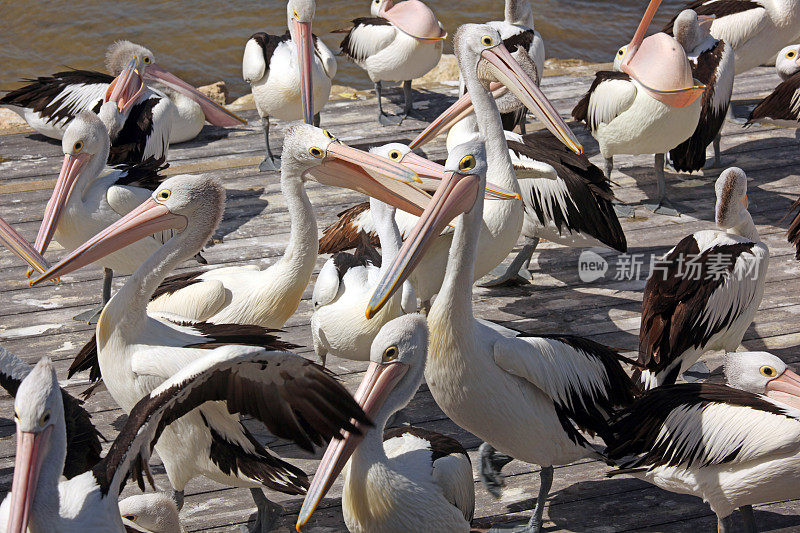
x: 49, y: 103
x: 137, y: 352
x: 290, y: 75
x: 782, y: 106
x: 529, y: 397
x: 262, y: 383
x: 408, y: 479
x: 733, y: 446
x: 400, y: 42
x: 650, y: 107
x: 704, y: 293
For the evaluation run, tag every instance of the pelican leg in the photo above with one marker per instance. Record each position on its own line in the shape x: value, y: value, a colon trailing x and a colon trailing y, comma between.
x: 91, y: 316
x: 270, y: 162
x: 622, y: 210
x: 383, y: 118
x: 717, y: 161
x: 725, y: 525
x: 748, y: 518
x: 267, y: 512
x: 408, y: 108
x: 664, y: 205
x: 317, y: 120
x: 545, y: 482
x: 492, y: 464
x: 515, y: 273
x: 177, y: 497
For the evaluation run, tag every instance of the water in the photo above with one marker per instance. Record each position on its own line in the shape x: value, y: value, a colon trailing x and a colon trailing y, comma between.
x: 202, y: 40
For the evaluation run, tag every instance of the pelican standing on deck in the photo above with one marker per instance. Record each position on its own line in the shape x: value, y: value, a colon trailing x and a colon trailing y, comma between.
x: 782, y: 106
x: 704, y: 293
x: 400, y: 42
x: 49, y: 103
x: 529, y: 397
x: 269, y: 381
x: 650, y: 107
x: 408, y: 479
x: 734, y: 446
x: 713, y: 66
x: 290, y: 75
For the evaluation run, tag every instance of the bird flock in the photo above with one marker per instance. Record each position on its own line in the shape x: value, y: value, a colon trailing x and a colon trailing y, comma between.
x: 190, y: 357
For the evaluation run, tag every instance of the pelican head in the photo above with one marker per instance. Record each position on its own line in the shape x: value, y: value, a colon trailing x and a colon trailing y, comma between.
x: 377, y: 7
x: 154, y: 512
x: 86, y: 145
x: 397, y: 363
x: 520, y: 13
x: 458, y: 193
x: 38, y: 412
x: 732, y: 201
x: 788, y: 62
x: 301, y: 14
x: 189, y: 206
x: 691, y: 29
x: 481, y: 55
x: 121, y: 53
x: 313, y: 153
x: 763, y: 373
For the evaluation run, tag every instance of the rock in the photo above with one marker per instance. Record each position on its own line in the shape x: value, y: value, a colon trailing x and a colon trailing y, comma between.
x: 10, y: 122
x: 344, y: 92
x: 445, y: 71
x: 242, y: 103
x: 217, y: 92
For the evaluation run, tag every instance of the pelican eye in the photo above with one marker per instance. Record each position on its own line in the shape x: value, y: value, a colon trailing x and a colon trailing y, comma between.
x: 768, y: 371
x: 296, y: 15
x: 45, y: 418
x: 329, y: 135
x: 790, y: 54
x: 77, y: 147
x: 129, y: 517
x: 163, y: 194
x: 621, y: 52
x: 395, y: 155
x: 147, y: 60
x: 390, y: 354
x: 16, y: 414
x: 487, y: 40
x: 467, y: 163
x: 316, y: 152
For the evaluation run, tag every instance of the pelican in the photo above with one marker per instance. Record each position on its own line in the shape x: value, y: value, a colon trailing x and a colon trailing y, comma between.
x: 82, y: 438
x: 137, y: 352
x: 528, y: 397
x: 704, y: 293
x: 781, y: 107
x: 713, y: 66
x: 756, y: 29
x: 49, y: 103
x: 290, y: 75
x: 400, y: 42
x: 650, y: 107
x: 154, y: 512
x: 709, y: 440
x: 502, y: 219
x: 254, y: 381
x: 345, y: 285
x: 409, y: 479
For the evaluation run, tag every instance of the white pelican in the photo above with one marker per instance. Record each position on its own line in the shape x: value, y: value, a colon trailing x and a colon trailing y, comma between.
x: 650, y: 107
x: 704, y: 293
x: 262, y: 383
x: 408, y: 479
x: 154, y: 512
x: 756, y: 29
x: 489, y: 62
x: 49, y: 103
x: 137, y: 352
x: 713, y: 66
x: 529, y: 397
x: 290, y: 75
x: 400, y: 42
x: 82, y: 439
x: 781, y: 107
x: 733, y: 446
x: 345, y: 285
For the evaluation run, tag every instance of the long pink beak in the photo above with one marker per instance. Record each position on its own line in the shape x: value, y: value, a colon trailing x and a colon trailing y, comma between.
x: 373, y: 175
x: 456, y: 194
x: 638, y: 37
x: 378, y: 383
x: 214, y: 113
x: 304, y: 42
x: 149, y: 218
x: 126, y: 88
x: 785, y: 388
x: 27, y: 466
x: 70, y: 170
x: 21, y: 247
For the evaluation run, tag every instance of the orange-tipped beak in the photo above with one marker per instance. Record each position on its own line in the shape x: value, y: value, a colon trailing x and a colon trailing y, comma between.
x: 785, y: 388
x: 214, y: 113
x: 304, y: 42
x: 456, y: 194
x: 21, y: 247
x: 378, y: 383
x: 126, y: 88
x: 70, y: 171
x: 149, y: 218
x: 31, y: 448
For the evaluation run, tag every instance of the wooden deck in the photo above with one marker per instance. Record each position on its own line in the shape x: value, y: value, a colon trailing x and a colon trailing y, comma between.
x: 37, y: 322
